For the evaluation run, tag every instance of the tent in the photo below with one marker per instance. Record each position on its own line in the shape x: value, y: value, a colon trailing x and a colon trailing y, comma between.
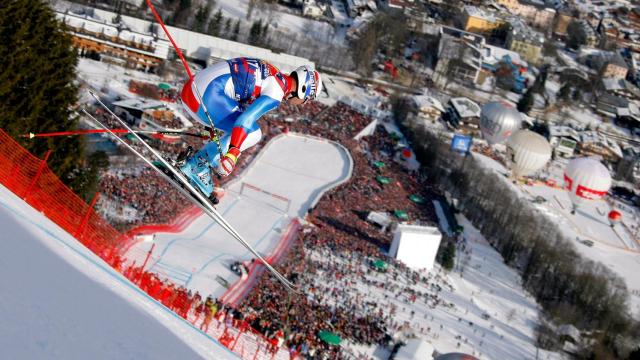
x: 379, y: 265
x: 378, y: 164
x: 329, y: 337
x: 415, y: 349
x: 383, y: 180
x: 416, y: 198
x: 416, y: 246
x: 401, y: 214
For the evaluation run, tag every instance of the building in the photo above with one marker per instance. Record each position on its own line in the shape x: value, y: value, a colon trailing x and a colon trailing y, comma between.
x: 526, y: 42
x: 507, y: 66
x: 120, y: 44
x: 428, y: 107
x: 131, y: 110
x: 416, y: 246
x: 535, y: 14
x: 561, y: 23
x: 312, y: 9
x: 592, y: 38
x: 593, y: 143
x: 138, y: 32
x: 613, y: 106
x: 628, y: 169
x: 615, y: 67
x: 563, y: 140
x: 459, y: 56
x: 463, y: 113
x: 478, y: 20
x: 620, y: 87
x: 338, y: 15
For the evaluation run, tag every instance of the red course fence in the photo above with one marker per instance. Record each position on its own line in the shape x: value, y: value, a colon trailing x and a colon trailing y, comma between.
x: 31, y: 179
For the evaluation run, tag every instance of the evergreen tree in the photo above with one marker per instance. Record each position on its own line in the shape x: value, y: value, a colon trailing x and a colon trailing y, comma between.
x: 215, y: 24
x: 576, y: 36
x: 36, y: 82
x: 449, y: 256
x: 181, y: 12
x: 565, y: 92
x: 263, y: 34
x: 236, y: 31
x: 526, y: 102
x: 255, y: 32
x: 201, y: 18
x: 227, y: 26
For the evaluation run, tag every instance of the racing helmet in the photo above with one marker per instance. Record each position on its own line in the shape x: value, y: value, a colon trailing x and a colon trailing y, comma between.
x: 309, y: 83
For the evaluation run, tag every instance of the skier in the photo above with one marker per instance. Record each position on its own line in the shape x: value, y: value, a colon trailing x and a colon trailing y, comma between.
x: 236, y: 93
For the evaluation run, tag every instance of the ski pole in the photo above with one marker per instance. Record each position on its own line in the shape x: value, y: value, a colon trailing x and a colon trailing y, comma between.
x: 116, y: 131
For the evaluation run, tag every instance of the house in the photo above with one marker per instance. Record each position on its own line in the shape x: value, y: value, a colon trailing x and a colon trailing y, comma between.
x: 131, y: 110
x: 463, y: 113
x: 615, y: 67
x: 616, y: 106
x: 312, y: 9
x: 338, y: 15
x: 620, y: 87
x: 628, y: 169
x: 526, y: 42
x: 428, y: 107
x: 459, y: 56
x: 563, y: 140
x: 478, y: 20
x: 535, y: 14
x: 90, y: 33
x: 507, y: 66
x: 593, y: 143
x: 562, y: 21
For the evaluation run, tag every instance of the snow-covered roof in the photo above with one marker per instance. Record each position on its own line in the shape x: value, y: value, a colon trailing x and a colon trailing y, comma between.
x: 193, y: 44
x: 569, y: 330
x: 494, y: 54
x: 139, y: 104
x: 602, y: 140
x: 562, y: 130
x: 480, y: 13
x: 426, y: 102
x: 465, y: 107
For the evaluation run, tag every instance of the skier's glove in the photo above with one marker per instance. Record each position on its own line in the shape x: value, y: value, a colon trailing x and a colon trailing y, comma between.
x: 228, y: 162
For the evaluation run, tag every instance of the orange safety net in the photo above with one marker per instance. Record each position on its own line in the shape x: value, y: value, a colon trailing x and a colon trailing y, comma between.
x: 30, y: 178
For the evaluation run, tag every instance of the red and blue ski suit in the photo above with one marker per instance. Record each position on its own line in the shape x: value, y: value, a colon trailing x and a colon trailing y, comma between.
x: 236, y: 94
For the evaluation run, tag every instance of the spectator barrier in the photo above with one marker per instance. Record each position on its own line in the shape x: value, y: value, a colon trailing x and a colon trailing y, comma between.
x: 30, y: 178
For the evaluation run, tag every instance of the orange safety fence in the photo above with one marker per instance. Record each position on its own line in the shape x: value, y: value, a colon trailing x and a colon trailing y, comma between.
x: 30, y: 178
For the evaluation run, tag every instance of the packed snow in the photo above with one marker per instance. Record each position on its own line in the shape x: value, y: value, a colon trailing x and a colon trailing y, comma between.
x: 200, y: 255
x: 61, y: 301
x: 479, y: 308
x: 616, y: 247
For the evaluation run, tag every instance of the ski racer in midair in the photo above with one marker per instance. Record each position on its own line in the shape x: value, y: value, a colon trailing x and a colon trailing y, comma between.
x: 236, y: 93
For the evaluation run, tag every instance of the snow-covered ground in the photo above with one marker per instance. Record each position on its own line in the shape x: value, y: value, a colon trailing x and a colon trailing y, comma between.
x: 618, y: 248
x: 348, y: 91
x: 279, y: 18
x: 59, y: 300
x: 482, y: 308
x: 298, y: 168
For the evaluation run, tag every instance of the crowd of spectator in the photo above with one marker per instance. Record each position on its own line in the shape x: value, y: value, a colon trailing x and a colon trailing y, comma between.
x: 338, y: 229
x: 143, y: 189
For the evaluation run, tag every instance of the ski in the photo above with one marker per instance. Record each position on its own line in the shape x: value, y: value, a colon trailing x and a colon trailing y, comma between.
x: 188, y: 190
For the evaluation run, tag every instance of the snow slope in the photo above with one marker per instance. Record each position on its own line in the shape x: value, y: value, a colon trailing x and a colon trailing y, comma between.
x: 299, y: 168
x: 483, y: 309
x: 60, y: 301
x: 617, y: 247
